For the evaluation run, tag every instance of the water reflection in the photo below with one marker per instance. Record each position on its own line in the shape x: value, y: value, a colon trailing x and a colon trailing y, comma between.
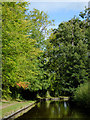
x: 52, y: 109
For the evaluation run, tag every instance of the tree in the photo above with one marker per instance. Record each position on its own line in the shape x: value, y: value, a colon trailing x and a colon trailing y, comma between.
x: 23, y: 36
x: 19, y: 53
x: 86, y: 15
x: 66, y: 57
x: 40, y: 23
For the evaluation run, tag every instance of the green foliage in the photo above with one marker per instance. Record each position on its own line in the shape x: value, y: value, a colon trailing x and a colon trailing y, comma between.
x: 39, y: 29
x: 6, y: 93
x: 81, y: 95
x: 66, y: 57
x: 85, y: 15
x: 20, y: 54
x: 58, y: 64
x: 48, y: 94
x: 13, y: 38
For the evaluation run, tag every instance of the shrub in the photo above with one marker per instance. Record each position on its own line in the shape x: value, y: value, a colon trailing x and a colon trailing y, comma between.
x: 81, y: 95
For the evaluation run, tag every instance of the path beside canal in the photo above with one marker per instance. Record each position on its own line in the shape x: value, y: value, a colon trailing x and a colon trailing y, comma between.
x: 9, y: 107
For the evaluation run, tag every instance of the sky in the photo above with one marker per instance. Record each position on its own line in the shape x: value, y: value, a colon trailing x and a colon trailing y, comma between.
x: 58, y: 10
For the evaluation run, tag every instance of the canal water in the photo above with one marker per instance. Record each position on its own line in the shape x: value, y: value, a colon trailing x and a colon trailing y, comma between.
x: 53, y: 109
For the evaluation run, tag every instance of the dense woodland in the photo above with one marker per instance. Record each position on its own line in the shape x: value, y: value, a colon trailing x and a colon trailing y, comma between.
x: 36, y: 60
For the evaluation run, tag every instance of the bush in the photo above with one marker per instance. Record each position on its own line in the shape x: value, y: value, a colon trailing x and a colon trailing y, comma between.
x: 81, y: 95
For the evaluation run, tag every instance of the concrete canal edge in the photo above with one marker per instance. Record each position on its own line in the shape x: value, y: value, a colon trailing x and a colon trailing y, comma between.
x: 54, y: 98
x: 19, y: 112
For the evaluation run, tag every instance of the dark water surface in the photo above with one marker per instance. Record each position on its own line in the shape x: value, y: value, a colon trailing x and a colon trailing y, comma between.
x: 53, y: 109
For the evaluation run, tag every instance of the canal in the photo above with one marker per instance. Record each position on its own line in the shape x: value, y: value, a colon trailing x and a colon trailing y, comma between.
x: 53, y: 109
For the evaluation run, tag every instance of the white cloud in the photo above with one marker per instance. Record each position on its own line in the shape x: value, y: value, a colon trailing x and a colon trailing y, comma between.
x: 55, y: 8
x: 50, y: 7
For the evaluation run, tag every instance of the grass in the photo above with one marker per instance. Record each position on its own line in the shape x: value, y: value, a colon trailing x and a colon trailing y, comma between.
x: 13, y: 107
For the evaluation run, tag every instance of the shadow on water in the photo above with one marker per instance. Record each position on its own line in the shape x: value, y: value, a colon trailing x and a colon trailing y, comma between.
x: 53, y: 109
